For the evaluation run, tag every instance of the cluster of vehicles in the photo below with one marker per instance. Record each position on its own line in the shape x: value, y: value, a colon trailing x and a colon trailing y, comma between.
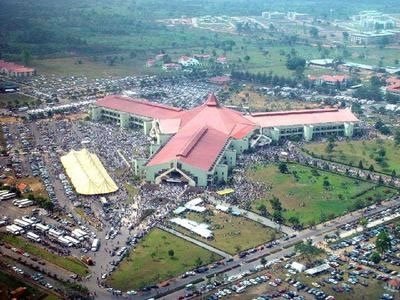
x: 6, y: 195
x: 22, y: 203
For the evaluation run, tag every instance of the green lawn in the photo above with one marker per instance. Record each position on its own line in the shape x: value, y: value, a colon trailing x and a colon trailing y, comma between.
x: 150, y: 262
x: 66, y: 262
x: 303, y: 194
x: 232, y: 234
x: 132, y: 192
x: 369, y: 152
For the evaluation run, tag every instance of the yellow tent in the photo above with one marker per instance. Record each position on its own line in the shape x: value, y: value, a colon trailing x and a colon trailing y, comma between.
x: 225, y: 192
x: 87, y: 173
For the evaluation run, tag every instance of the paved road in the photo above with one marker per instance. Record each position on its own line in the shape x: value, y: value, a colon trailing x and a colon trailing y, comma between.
x: 256, y: 218
x: 240, y: 265
x: 197, y: 242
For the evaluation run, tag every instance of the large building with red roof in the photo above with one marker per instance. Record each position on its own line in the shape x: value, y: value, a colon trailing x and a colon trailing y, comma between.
x: 199, y: 146
x: 15, y: 70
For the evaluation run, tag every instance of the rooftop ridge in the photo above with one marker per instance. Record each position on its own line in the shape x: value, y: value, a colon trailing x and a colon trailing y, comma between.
x: 146, y: 102
x: 294, y: 112
x: 192, y: 142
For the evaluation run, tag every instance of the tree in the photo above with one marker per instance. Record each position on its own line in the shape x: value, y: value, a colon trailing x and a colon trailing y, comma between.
x: 360, y: 165
x: 397, y: 138
x: 314, y: 32
x: 26, y: 57
x: 363, y: 222
x: 283, y: 168
x: 307, y: 249
x: 330, y: 147
x: 295, y: 62
x: 382, y: 242
x: 263, y: 210
x: 375, y: 257
x: 246, y: 58
x: 263, y: 261
x: 277, y: 216
x: 198, y: 262
x: 294, y: 220
x: 276, y: 203
x: 171, y: 253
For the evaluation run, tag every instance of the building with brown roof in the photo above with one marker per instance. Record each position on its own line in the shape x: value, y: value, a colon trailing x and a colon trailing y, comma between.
x: 199, y: 146
x: 15, y: 70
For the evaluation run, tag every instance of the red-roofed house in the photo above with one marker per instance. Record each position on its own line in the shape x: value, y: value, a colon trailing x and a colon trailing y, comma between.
x: 220, y: 80
x: 199, y: 146
x: 330, y: 79
x: 222, y: 60
x: 15, y: 70
x: 394, y: 284
x: 150, y: 63
x: 393, y: 85
x: 187, y: 61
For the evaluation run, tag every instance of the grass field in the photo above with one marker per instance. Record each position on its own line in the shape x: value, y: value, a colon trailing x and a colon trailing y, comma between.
x: 232, y: 234
x: 66, y: 262
x: 150, y: 262
x: 352, y: 152
x: 303, y: 194
x: 259, y: 102
x: 16, y: 100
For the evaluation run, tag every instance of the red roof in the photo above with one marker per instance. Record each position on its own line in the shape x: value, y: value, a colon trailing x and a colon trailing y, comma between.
x: 12, y: 67
x: 334, y: 78
x: 302, y: 117
x: 393, y: 85
x: 139, y: 107
x: 202, y: 135
x: 395, y: 283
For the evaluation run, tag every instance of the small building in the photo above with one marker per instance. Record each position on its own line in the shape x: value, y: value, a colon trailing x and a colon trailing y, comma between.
x: 330, y: 79
x: 393, y: 86
x: 325, y: 62
x: 160, y: 56
x: 368, y: 38
x: 15, y: 70
x: 273, y: 15
x: 187, y: 61
x: 297, y: 266
x: 171, y: 67
x: 202, y: 57
x: 23, y: 187
x: 394, y: 284
x: 295, y: 16
x: 220, y: 80
x: 222, y: 60
x: 318, y: 269
x: 150, y: 63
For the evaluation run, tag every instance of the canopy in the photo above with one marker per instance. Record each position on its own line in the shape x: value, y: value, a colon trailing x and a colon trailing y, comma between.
x: 225, y: 192
x: 87, y: 173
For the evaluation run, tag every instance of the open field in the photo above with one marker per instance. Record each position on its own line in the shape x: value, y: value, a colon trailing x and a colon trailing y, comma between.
x: 259, y: 102
x: 150, y: 263
x: 16, y: 100
x: 369, y: 152
x: 66, y: 262
x: 231, y: 234
x: 304, y: 194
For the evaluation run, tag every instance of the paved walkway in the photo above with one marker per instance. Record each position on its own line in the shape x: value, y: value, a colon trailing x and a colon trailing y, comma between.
x: 197, y: 242
x: 256, y: 218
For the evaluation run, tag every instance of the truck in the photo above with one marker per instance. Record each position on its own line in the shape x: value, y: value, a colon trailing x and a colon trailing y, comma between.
x: 41, y: 227
x: 25, y: 203
x: 95, y: 245
x: 64, y: 241
x: 21, y: 223
x: 33, y: 236
x: 14, y: 229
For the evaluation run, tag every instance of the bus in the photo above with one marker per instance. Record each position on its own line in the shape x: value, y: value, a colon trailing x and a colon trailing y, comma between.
x: 25, y: 203
x: 8, y: 196
x: 14, y: 229
x: 41, y: 227
x: 21, y: 223
x: 95, y: 245
x: 55, y: 233
x: 75, y: 242
x: 64, y: 241
x: 79, y: 234
x: 33, y: 236
x: 28, y: 220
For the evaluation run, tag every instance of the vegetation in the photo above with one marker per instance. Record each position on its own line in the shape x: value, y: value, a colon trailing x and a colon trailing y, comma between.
x: 232, y: 234
x: 383, y: 155
x: 382, y: 242
x: 16, y: 100
x: 8, y: 282
x: 69, y: 263
x: 306, y: 196
x: 151, y: 262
